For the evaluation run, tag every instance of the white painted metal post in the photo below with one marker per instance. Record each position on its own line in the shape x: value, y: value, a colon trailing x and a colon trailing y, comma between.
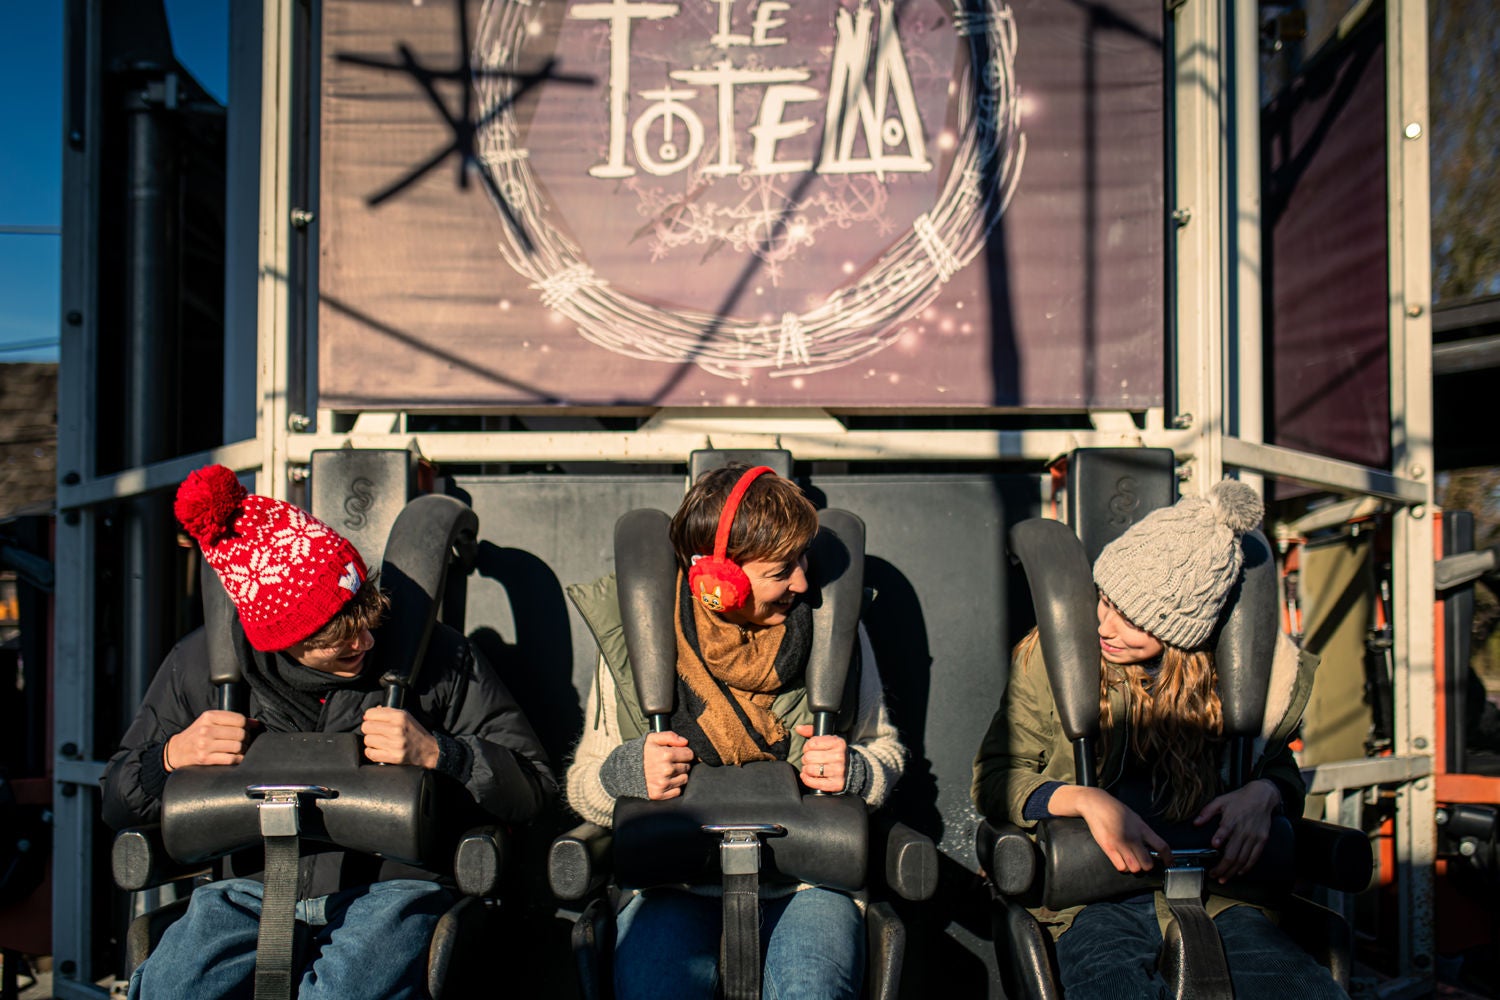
x: 277, y: 68
x: 1407, y: 123
x: 1199, y: 210
x: 1244, y: 368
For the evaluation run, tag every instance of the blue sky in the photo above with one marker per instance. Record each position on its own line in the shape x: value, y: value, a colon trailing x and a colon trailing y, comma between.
x: 31, y: 74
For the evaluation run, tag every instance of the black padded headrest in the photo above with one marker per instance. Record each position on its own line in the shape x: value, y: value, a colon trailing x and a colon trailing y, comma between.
x: 836, y: 568
x: 390, y: 811
x: 1063, y: 593
x: 826, y: 841
x: 708, y: 459
x: 1110, y: 489
x: 418, y: 555
x: 1247, y: 640
x: 646, y: 579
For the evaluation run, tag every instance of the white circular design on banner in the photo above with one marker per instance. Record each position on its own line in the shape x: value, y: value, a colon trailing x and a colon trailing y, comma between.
x: 853, y: 321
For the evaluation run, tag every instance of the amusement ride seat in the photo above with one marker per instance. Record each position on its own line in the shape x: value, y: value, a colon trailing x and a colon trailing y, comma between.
x: 749, y: 823
x: 1063, y: 866
x: 294, y: 787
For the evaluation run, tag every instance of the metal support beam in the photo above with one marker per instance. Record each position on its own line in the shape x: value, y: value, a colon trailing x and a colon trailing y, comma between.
x: 1244, y: 373
x: 1409, y: 228
x: 243, y: 456
x: 274, y: 302
x: 74, y: 808
x: 1315, y: 470
x: 242, y: 218
x: 1200, y: 207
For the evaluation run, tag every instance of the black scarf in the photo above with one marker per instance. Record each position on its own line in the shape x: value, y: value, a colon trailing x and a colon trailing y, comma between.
x: 290, y: 696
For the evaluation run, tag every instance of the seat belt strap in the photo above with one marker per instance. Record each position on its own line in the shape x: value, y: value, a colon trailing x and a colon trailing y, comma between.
x: 274, y: 943
x: 1192, y: 956
x: 739, y: 948
x: 739, y: 945
x: 280, y: 829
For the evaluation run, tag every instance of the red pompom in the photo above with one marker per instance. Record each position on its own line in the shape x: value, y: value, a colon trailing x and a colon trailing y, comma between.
x: 208, y: 502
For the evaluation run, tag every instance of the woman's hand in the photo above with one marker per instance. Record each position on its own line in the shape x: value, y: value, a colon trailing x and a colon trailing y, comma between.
x: 666, y: 759
x: 215, y: 737
x: 824, y: 760
x: 392, y: 736
x: 1244, y: 826
x: 1125, y: 838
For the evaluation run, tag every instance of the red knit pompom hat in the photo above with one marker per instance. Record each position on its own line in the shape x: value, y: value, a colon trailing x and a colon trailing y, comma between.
x: 287, y: 572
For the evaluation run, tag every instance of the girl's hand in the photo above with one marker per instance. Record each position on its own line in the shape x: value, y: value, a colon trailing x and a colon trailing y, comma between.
x: 666, y: 759
x: 1125, y: 838
x: 1244, y: 826
x: 824, y: 761
x: 392, y: 736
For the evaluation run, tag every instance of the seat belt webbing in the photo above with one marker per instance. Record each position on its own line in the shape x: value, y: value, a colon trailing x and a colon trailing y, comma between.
x: 280, y: 827
x: 739, y: 948
x: 275, y: 942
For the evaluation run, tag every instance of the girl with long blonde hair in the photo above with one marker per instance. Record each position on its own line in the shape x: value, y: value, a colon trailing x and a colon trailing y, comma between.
x: 1163, y: 586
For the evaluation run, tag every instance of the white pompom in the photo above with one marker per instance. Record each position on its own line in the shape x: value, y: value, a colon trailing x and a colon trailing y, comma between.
x: 1237, y: 506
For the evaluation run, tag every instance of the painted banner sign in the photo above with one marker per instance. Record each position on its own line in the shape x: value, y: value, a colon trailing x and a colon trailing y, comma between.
x: 872, y: 203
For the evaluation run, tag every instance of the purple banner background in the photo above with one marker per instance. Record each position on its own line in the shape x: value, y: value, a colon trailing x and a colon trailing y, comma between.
x: 1326, y: 269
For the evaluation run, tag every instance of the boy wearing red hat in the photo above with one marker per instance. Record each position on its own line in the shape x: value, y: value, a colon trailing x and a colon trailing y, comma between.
x: 311, y: 615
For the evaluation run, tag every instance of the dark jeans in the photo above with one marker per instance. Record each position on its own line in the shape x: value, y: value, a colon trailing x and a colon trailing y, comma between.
x: 667, y: 946
x: 1110, y: 952
x: 368, y: 942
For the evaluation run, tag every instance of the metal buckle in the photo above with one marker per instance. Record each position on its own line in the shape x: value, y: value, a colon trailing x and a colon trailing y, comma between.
x: 739, y: 850
x: 280, y: 804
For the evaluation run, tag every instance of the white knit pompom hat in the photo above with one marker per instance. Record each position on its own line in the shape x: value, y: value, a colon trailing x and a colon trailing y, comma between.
x: 1171, y: 573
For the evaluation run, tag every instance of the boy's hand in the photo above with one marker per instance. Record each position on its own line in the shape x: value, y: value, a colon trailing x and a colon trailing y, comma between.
x: 216, y: 737
x: 392, y: 736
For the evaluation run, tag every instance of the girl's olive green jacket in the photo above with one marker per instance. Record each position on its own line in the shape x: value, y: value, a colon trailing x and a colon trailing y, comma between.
x: 1026, y: 747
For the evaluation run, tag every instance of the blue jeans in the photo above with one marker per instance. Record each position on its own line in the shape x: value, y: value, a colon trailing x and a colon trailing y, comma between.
x: 366, y: 942
x: 667, y: 945
x: 1110, y: 952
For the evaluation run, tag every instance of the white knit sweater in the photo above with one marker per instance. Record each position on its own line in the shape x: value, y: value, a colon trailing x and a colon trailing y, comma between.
x: 872, y: 736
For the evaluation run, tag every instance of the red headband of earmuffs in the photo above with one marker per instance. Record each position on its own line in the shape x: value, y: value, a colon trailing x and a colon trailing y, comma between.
x: 718, y: 581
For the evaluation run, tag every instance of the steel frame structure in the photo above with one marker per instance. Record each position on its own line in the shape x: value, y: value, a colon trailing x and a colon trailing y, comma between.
x: 1214, y: 422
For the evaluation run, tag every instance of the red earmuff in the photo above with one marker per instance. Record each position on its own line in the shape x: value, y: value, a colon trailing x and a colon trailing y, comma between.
x: 717, y: 581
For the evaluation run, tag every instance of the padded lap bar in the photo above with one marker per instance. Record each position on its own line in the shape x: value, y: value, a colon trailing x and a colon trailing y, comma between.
x: 1075, y: 870
x: 388, y: 811
x: 826, y: 841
